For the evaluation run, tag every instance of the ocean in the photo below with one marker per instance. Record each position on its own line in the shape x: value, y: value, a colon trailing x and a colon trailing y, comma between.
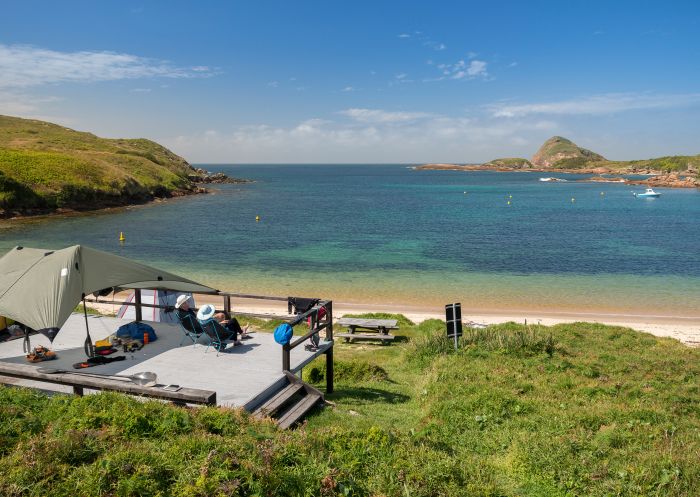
x: 393, y: 235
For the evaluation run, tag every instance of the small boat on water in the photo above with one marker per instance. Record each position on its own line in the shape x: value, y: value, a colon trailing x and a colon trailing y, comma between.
x: 649, y: 193
x: 553, y: 179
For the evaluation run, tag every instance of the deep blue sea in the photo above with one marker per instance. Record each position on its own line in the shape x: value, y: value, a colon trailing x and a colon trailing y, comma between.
x: 391, y: 234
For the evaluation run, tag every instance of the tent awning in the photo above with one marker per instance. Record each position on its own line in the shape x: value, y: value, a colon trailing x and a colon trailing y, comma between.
x: 40, y: 288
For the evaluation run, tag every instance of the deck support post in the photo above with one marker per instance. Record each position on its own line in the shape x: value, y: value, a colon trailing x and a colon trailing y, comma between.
x: 286, y: 359
x: 137, y: 306
x: 227, y: 306
x: 78, y: 390
x: 329, y: 352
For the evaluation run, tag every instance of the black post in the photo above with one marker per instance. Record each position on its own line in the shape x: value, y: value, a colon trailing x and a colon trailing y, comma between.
x: 329, y: 352
x: 227, y: 306
x: 137, y: 301
x: 286, y: 358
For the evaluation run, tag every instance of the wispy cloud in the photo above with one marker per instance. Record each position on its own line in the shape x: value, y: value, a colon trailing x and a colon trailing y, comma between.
x: 23, y: 66
x: 464, y: 70
x: 348, y: 89
x: 141, y: 90
x: 404, y: 35
x: 609, y: 103
x: 273, y: 84
x: 383, y: 116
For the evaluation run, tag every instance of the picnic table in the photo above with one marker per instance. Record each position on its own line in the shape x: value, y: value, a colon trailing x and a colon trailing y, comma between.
x: 372, y: 329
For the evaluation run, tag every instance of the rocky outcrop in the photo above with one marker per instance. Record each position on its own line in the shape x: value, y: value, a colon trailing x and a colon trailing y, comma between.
x: 200, y: 175
x: 559, y: 150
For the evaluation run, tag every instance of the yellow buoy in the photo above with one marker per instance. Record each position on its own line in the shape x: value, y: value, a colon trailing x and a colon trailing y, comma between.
x: 602, y: 193
x: 510, y: 196
x: 257, y: 218
x: 573, y: 199
x: 121, y: 236
x: 509, y: 202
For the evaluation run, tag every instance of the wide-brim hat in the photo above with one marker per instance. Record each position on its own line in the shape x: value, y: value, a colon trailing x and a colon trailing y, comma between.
x: 206, y: 312
x: 181, y: 299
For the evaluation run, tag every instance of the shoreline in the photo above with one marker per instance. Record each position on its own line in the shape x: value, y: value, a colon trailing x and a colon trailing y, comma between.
x: 655, y: 178
x: 686, y: 329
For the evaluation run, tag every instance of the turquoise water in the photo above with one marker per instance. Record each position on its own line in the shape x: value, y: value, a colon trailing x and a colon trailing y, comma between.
x: 390, y: 234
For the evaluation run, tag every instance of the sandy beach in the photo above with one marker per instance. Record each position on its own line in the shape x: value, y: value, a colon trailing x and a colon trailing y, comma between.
x: 683, y: 328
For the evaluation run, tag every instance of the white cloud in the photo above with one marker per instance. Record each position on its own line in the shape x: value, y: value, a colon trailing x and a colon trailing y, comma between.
x: 23, y: 66
x: 273, y: 84
x: 368, y: 135
x: 348, y: 89
x: 404, y: 35
x: 463, y: 70
x: 477, y: 68
x: 141, y: 90
x: 382, y: 116
x: 609, y: 103
x: 401, y: 75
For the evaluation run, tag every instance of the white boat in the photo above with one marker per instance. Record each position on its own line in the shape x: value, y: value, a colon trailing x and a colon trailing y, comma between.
x: 649, y: 193
x: 552, y: 179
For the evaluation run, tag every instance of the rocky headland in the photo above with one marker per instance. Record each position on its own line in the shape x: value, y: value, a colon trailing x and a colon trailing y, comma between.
x: 46, y: 168
x: 561, y: 155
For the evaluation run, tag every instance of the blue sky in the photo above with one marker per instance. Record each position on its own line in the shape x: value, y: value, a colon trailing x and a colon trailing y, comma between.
x: 361, y: 81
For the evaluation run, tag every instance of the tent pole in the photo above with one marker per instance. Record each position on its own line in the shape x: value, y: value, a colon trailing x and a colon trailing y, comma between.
x: 89, y: 349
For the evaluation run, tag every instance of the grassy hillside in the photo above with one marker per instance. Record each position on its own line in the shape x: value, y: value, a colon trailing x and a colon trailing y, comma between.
x: 46, y: 166
x: 510, y: 162
x: 558, y: 149
x: 580, y: 409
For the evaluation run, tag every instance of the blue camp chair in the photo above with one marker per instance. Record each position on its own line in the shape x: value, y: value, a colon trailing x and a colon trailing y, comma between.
x: 192, y: 329
x: 213, y: 329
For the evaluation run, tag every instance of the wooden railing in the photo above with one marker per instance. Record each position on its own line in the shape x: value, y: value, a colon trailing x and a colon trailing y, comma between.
x: 316, y: 325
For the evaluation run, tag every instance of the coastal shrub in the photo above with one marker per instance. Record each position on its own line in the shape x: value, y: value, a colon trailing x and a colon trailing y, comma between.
x: 348, y: 371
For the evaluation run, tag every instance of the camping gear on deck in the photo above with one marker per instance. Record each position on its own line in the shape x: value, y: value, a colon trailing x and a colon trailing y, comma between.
x: 145, y: 379
x: 41, y: 353
x: 137, y: 331
x: 41, y: 288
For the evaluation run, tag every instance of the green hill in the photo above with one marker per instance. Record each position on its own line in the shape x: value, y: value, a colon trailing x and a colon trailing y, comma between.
x: 44, y: 167
x: 510, y: 162
x: 558, y: 151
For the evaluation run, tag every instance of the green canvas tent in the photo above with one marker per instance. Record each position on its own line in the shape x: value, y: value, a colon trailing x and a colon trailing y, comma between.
x: 40, y: 288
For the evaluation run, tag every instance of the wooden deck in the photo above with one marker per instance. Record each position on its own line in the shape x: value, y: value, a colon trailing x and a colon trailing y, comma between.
x: 238, y: 375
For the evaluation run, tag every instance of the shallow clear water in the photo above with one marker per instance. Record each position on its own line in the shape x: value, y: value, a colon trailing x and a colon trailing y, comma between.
x: 387, y: 233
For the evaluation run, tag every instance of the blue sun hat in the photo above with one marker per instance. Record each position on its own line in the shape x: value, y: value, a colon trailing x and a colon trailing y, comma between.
x: 206, y: 312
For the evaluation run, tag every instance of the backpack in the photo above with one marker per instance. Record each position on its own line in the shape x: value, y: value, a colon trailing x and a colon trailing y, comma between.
x: 136, y: 330
x: 283, y: 334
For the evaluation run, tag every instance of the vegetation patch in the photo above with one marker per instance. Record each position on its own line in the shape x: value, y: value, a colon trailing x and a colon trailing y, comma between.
x: 609, y: 412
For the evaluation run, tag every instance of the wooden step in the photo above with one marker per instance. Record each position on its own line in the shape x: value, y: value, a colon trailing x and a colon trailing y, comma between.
x: 296, y: 412
x: 278, y: 400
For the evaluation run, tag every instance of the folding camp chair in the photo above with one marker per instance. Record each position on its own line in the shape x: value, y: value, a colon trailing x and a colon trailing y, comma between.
x: 213, y: 329
x: 191, y: 328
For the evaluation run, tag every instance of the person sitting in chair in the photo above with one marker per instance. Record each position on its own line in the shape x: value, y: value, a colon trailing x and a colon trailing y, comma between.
x: 227, y: 329
x: 186, y: 315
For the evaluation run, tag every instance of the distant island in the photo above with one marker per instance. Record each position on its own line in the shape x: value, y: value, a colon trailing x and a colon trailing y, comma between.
x: 561, y: 155
x: 46, y: 168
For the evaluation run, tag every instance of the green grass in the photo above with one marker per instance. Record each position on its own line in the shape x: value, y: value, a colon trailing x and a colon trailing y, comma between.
x: 45, y: 166
x: 510, y: 162
x: 580, y: 409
